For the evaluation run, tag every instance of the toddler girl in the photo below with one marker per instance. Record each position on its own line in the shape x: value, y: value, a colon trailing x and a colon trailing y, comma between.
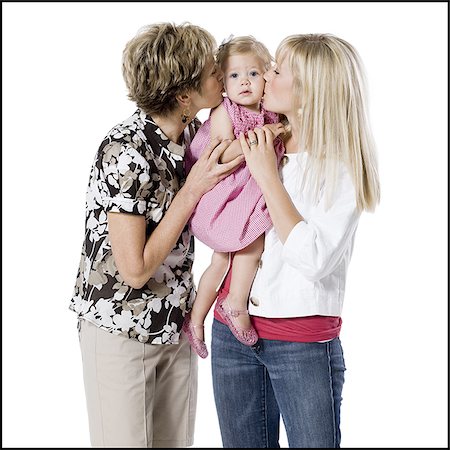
x: 232, y: 217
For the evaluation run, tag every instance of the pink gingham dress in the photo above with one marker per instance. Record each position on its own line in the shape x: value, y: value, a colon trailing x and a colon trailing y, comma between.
x: 232, y: 214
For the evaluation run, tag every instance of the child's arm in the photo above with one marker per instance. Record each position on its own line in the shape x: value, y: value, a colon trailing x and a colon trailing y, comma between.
x: 222, y: 128
x: 235, y: 149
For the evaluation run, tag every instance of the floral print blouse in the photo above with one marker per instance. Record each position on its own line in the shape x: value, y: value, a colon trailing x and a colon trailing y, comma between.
x: 137, y: 170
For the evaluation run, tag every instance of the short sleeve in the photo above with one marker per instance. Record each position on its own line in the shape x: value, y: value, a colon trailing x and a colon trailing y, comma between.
x: 126, y: 179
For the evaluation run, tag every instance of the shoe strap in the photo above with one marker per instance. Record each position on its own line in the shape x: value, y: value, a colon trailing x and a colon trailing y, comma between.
x: 234, y: 312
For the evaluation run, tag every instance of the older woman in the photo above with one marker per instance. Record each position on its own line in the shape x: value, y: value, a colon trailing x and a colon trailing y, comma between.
x: 134, y: 283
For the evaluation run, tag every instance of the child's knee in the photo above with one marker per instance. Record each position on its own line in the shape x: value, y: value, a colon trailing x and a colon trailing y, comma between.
x: 220, y: 260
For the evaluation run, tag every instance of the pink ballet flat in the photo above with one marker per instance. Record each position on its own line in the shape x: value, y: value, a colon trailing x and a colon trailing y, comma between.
x: 247, y: 337
x: 197, y: 344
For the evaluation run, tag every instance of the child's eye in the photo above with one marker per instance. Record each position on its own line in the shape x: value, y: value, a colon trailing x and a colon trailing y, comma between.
x: 233, y: 75
x: 254, y: 73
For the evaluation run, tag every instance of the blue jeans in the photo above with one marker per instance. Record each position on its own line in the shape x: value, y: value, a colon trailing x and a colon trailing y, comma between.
x: 253, y: 386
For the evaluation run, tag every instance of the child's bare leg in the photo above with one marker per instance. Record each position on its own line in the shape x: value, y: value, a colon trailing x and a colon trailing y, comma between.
x: 206, y: 293
x: 245, y: 265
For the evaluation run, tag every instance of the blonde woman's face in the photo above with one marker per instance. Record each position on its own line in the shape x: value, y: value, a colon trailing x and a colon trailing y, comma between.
x: 279, y: 89
x: 211, y: 87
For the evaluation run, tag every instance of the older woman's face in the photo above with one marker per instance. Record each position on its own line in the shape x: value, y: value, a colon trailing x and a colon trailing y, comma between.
x: 278, y: 89
x: 211, y: 87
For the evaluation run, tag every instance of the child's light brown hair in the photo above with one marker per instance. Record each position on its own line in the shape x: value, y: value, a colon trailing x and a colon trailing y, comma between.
x: 242, y: 45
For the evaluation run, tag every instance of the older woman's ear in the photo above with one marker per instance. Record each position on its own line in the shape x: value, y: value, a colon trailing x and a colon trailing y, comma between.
x: 184, y: 100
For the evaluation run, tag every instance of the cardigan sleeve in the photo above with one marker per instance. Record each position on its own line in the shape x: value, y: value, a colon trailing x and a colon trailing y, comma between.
x: 316, y: 245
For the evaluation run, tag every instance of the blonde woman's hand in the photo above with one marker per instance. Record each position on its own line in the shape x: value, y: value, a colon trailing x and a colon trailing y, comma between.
x: 260, y: 154
x: 208, y: 171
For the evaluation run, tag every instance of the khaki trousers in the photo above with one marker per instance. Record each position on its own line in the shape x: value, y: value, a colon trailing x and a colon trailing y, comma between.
x: 138, y: 395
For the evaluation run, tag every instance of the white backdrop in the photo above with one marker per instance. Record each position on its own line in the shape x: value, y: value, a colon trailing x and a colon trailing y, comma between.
x: 63, y: 90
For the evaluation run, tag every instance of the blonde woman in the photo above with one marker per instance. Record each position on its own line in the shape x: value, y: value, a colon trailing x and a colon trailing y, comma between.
x: 134, y: 283
x: 329, y: 178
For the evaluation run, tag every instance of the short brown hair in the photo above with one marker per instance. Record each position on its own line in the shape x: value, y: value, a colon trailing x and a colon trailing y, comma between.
x: 164, y: 60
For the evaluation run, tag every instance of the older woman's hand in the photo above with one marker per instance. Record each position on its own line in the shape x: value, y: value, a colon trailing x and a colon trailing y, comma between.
x: 260, y: 154
x: 208, y: 171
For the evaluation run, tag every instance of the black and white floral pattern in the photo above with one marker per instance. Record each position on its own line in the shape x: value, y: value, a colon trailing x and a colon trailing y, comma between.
x: 137, y: 170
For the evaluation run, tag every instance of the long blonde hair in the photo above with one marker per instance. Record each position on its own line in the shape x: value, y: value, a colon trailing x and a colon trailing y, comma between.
x: 329, y: 95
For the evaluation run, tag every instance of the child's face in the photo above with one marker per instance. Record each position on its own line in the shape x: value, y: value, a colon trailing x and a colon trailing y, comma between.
x: 243, y: 80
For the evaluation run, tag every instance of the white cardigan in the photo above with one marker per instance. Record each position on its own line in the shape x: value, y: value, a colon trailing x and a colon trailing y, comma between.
x: 306, y: 276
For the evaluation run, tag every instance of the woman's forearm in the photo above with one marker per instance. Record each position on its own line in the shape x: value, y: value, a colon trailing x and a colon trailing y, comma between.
x: 282, y: 211
x: 166, y: 234
x: 137, y: 258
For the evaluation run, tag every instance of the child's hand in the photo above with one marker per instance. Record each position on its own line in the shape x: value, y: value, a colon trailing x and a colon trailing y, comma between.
x: 275, y: 128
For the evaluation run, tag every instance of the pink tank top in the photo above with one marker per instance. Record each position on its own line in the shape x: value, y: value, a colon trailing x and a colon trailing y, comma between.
x: 233, y: 214
x: 292, y: 329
